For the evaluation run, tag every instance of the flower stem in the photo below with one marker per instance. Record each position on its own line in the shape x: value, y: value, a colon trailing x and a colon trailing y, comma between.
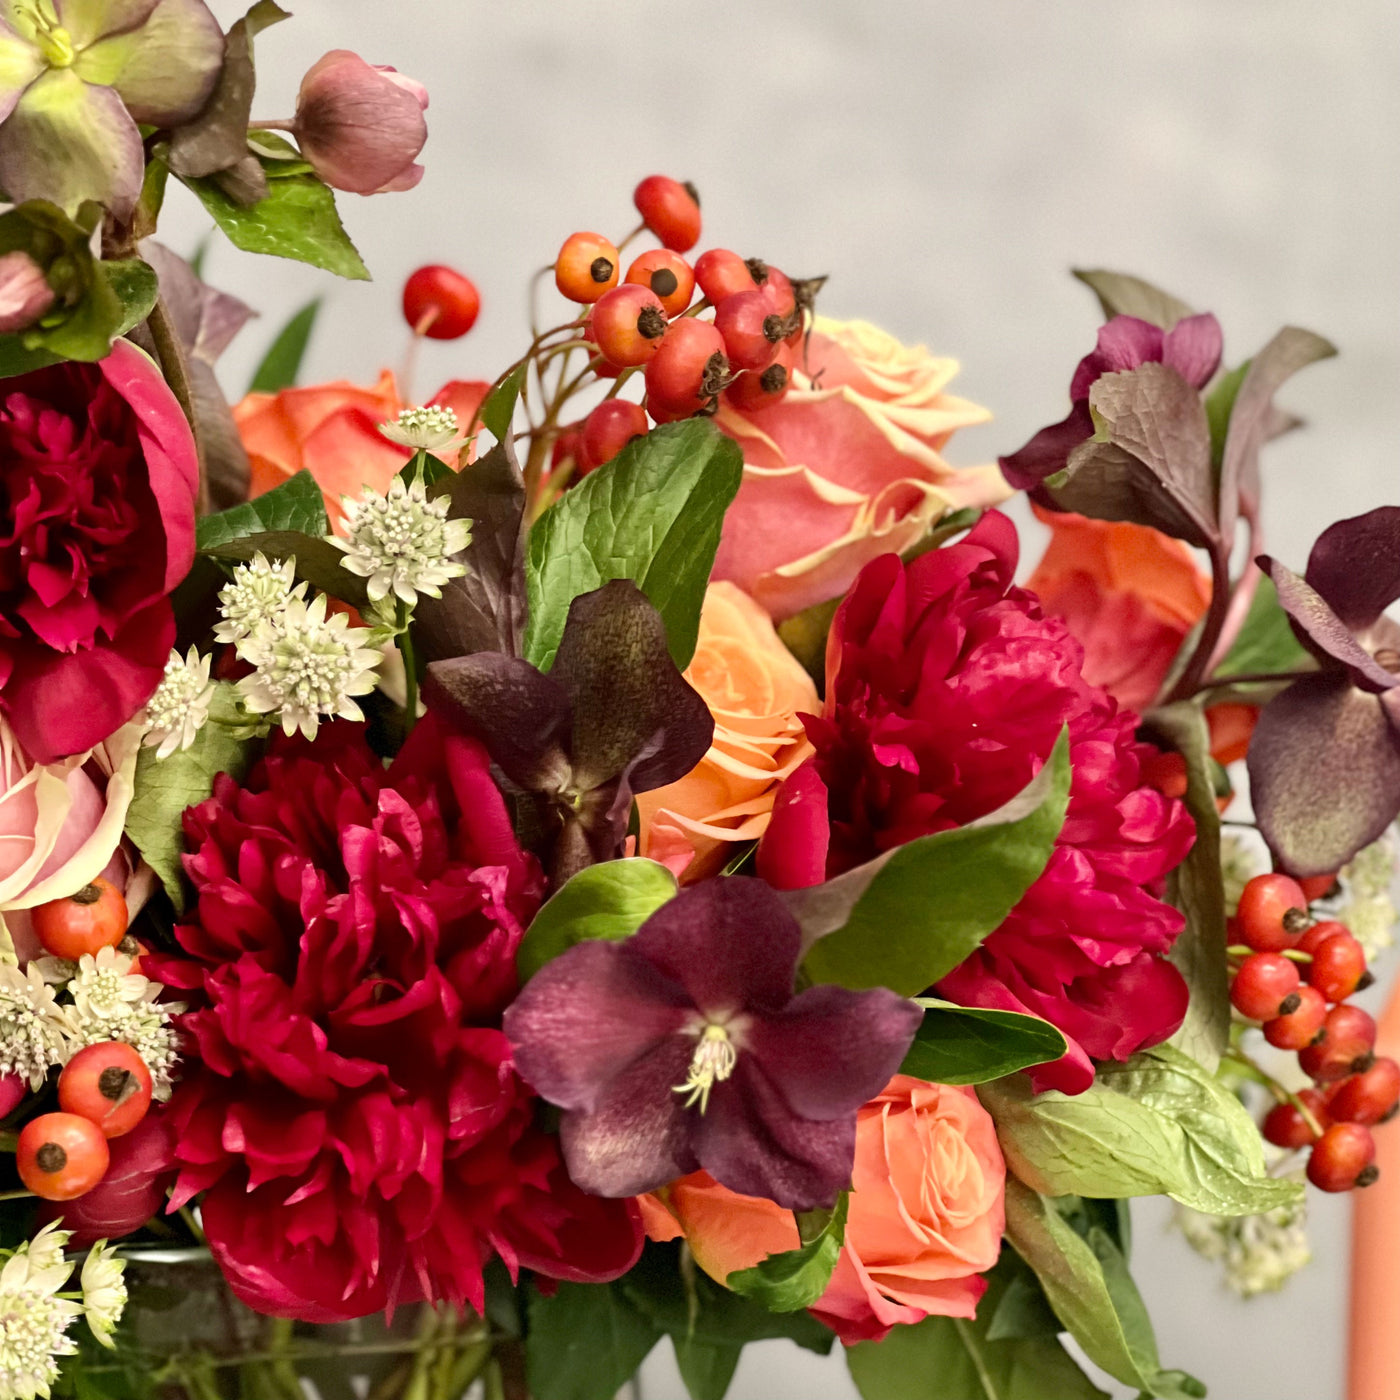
x: 1255, y: 678
x: 410, y: 668
x: 171, y: 354
x: 1194, y: 673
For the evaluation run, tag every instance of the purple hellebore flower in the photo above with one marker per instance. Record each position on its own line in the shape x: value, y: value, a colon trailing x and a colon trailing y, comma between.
x: 1324, y: 763
x: 684, y: 1047
x: 1192, y: 348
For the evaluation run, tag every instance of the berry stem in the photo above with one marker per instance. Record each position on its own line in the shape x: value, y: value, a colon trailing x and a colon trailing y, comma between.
x: 636, y: 232
x: 1243, y: 950
x: 1260, y: 1075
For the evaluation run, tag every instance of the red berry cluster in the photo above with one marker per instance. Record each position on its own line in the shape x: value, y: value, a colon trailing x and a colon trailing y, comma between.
x: 1294, y: 975
x: 649, y: 320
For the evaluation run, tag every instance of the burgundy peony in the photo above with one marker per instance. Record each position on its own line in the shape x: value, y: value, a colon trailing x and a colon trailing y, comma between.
x: 98, y: 477
x: 946, y: 690
x: 350, y: 1106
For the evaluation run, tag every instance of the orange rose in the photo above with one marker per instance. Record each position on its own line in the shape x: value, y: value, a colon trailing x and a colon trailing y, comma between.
x: 1128, y: 595
x: 927, y: 1208
x: 847, y: 466
x: 755, y: 690
x: 332, y: 431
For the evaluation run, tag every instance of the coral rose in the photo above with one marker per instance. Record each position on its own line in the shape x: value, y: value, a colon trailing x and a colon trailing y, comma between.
x: 1128, y: 594
x: 946, y: 690
x: 349, y: 1104
x: 755, y: 689
x: 848, y: 465
x: 99, y: 472
x: 60, y: 826
x: 332, y: 431
x: 925, y: 1216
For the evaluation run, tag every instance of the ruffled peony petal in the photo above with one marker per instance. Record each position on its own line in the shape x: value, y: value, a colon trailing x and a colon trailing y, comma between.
x: 792, y: 851
x: 68, y: 141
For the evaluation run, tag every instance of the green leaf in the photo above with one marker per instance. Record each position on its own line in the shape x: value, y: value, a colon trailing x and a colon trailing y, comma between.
x: 298, y: 220
x: 611, y: 900
x: 1267, y: 641
x: 1122, y: 295
x: 706, y: 1367
x: 652, y: 515
x: 970, y: 1045
x: 1086, y: 1280
x: 282, y: 363
x: 297, y: 505
x: 585, y: 1342
x: 1220, y: 403
x: 499, y: 408
x: 1197, y: 888
x: 913, y: 914
x: 166, y: 786
x: 797, y: 1277
x: 958, y: 1359
x: 1158, y: 1125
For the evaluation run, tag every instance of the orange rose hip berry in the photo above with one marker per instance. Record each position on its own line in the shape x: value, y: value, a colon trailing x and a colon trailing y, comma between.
x: 670, y: 209
x: 86, y: 922
x: 61, y: 1156
x: 586, y: 267
x: 109, y: 1085
x: 668, y: 275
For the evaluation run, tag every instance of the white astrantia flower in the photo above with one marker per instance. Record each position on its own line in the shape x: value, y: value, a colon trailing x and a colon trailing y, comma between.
x: 258, y: 592
x: 1367, y: 905
x: 45, y: 1250
x: 424, y: 429
x: 402, y: 543
x: 33, y: 1322
x: 104, y: 1292
x: 308, y: 667
x: 32, y: 1025
x: 180, y: 707
x: 110, y: 1002
x: 1260, y: 1253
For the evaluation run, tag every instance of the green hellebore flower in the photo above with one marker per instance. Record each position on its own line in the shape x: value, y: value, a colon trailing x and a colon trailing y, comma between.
x: 76, y: 76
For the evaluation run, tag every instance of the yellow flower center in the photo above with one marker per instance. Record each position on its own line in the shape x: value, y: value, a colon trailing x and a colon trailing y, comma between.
x: 40, y: 19
x: 712, y: 1063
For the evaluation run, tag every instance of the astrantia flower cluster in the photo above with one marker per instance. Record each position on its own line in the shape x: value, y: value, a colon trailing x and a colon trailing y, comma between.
x: 946, y: 689
x: 349, y: 1104
x: 180, y: 707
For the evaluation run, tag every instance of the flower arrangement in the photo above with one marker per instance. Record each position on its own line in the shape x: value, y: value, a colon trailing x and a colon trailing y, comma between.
x: 611, y: 852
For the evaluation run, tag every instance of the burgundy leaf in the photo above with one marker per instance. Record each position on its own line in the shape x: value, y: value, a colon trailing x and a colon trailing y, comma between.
x: 1324, y: 772
x: 1049, y: 450
x: 1322, y: 631
x: 1192, y: 348
x: 1355, y: 566
x: 1124, y: 343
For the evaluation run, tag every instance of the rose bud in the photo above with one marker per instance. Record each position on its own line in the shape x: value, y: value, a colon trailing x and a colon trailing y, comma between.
x: 25, y: 294
x: 361, y: 126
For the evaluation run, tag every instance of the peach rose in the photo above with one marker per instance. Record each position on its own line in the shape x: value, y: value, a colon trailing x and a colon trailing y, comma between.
x: 755, y: 689
x: 60, y: 827
x: 1128, y: 595
x: 332, y: 430
x: 927, y: 1209
x: 847, y: 466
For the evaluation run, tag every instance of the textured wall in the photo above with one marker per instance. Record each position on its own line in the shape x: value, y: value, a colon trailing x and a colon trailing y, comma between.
x: 945, y: 163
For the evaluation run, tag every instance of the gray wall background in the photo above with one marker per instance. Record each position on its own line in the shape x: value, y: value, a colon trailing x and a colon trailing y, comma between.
x: 946, y: 163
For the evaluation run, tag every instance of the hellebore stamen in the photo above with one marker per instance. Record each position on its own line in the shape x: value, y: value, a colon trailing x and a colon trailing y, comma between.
x: 713, y: 1062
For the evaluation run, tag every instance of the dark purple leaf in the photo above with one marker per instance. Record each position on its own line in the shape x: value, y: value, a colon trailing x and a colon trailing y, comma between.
x: 633, y: 712
x: 485, y: 610
x: 1049, y: 450
x: 1108, y: 483
x: 1355, y: 566
x: 521, y: 716
x: 1322, y: 631
x: 1251, y: 419
x: 1324, y: 773
x: 218, y: 137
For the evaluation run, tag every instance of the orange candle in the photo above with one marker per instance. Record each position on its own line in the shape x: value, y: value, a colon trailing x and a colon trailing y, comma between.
x: 1373, y: 1353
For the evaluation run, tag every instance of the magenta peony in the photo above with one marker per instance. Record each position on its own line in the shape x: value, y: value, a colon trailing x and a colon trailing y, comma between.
x: 350, y: 1105
x: 98, y: 476
x: 946, y: 690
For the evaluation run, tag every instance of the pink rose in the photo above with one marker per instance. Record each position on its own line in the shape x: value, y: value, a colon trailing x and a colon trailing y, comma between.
x: 846, y: 467
x: 926, y: 1211
x: 60, y: 826
x: 361, y: 126
x: 98, y: 469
